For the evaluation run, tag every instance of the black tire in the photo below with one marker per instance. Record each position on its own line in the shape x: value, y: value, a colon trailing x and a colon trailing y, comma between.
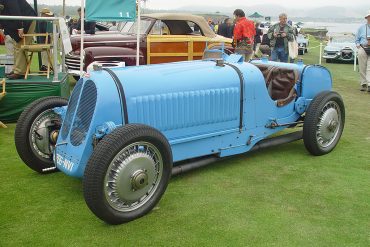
x: 103, y: 163
x: 328, y: 60
x: 324, y: 123
x: 23, y: 140
x: 306, y: 50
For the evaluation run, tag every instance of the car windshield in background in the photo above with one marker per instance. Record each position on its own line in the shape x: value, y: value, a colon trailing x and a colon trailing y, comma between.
x: 133, y: 27
x: 342, y: 39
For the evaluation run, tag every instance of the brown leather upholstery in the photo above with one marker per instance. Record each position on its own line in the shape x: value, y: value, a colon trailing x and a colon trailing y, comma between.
x: 280, y: 83
x: 266, y: 71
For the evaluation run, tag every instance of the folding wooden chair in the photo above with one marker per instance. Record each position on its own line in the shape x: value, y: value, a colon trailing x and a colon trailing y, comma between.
x: 30, y: 49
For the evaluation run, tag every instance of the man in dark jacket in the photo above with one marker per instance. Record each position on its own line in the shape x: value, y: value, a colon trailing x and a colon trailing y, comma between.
x: 89, y: 26
x: 226, y: 29
x: 280, y: 34
x: 16, y: 29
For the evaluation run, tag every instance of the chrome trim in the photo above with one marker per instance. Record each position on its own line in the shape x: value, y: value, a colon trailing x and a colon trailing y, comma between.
x: 110, y: 42
x: 74, y: 72
x: 116, y: 56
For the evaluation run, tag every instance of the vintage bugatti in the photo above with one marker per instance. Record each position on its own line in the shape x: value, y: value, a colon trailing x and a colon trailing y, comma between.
x: 124, y: 131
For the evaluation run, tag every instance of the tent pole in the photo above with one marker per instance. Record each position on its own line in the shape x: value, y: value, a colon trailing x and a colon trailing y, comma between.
x: 138, y: 33
x: 64, y: 8
x: 82, y: 37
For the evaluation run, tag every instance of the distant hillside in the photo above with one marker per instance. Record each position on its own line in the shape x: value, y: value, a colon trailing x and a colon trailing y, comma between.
x: 57, y: 9
x: 325, y: 12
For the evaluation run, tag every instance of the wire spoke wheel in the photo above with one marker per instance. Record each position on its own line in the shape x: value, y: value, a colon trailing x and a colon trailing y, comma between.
x: 37, y: 132
x: 324, y: 123
x: 329, y: 124
x: 44, y: 133
x: 127, y: 173
x: 133, y: 176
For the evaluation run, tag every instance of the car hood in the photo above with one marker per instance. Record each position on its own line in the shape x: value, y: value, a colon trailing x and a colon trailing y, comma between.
x: 340, y: 46
x: 302, y: 40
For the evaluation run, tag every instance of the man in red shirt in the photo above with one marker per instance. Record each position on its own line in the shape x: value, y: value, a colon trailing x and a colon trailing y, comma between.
x: 244, y: 32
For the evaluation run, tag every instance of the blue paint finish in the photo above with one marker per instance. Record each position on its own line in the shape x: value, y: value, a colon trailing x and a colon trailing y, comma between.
x: 315, y: 80
x: 300, y: 105
x: 107, y: 107
x: 195, y: 104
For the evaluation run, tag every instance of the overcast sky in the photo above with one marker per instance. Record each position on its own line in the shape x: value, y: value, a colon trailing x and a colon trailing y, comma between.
x: 173, y: 4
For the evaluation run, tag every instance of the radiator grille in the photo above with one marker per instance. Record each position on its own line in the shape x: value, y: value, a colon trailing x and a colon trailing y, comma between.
x: 72, y: 62
x: 71, y: 109
x: 84, y: 113
x: 188, y: 109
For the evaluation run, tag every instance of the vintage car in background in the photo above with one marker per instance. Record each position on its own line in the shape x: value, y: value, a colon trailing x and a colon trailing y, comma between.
x: 164, y: 38
x: 341, y: 47
x: 303, y: 44
x: 124, y: 131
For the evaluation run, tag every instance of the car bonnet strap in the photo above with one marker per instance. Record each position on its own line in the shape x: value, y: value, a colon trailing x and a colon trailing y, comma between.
x: 121, y: 93
x: 241, y: 79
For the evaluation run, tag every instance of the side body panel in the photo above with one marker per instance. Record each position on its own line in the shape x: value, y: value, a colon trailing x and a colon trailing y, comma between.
x: 315, y: 79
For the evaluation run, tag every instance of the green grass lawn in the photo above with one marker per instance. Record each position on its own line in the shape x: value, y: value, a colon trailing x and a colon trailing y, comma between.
x: 279, y: 196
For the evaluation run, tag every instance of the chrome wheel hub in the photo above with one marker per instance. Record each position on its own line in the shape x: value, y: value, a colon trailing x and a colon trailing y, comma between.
x: 44, y: 134
x: 133, y: 176
x: 329, y: 124
x: 139, y: 180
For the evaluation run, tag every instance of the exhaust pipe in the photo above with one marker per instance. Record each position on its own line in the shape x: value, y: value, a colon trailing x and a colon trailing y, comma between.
x: 267, y: 143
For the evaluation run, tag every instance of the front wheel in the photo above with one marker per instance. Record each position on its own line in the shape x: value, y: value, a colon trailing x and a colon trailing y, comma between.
x: 37, y: 131
x: 324, y: 123
x: 127, y: 173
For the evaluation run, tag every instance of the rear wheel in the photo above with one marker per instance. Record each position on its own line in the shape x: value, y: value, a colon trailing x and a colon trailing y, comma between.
x: 324, y: 123
x: 37, y: 131
x: 127, y: 173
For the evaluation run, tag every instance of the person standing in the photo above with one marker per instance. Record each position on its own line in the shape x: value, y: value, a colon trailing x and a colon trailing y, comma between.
x: 280, y: 34
x: 362, y: 41
x: 16, y: 30
x: 211, y: 24
x: 89, y: 26
x: 226, y: 29
x: 244, y: 32
x: 257, y: 39
x: 265, y: 44
x: 114, y: 26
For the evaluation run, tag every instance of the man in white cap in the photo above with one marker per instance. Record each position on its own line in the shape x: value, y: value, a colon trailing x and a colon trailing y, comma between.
x: 362, y: 41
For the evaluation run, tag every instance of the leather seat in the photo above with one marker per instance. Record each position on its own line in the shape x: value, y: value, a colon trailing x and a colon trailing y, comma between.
x: 280, y: 83
x: 266, y: 71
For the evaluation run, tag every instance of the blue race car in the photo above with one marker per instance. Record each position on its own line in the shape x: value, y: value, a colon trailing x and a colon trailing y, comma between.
x: 124, y: 131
